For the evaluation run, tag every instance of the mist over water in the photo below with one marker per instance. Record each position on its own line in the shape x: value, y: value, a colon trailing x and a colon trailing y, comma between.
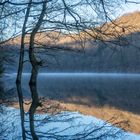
x: 81, y: 74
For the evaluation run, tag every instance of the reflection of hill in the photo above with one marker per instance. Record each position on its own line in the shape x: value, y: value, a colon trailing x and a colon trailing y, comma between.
x: 103, y: 96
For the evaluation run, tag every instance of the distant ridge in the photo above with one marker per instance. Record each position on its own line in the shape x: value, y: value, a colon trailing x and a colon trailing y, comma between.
x: 124, y: 25
x: 132, y: 19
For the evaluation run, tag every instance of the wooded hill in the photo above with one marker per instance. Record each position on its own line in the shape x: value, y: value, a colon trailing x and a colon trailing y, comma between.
x: 116, y: 48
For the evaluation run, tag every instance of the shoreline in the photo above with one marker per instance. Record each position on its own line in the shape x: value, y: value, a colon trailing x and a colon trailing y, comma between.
x: 105, y: 113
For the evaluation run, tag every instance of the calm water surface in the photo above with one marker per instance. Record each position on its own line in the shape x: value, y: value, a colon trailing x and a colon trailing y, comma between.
x: 117, y: 90
x: 93, y: 89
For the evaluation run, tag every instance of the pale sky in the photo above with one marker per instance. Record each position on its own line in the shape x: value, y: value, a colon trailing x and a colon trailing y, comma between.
x: 127, y: 8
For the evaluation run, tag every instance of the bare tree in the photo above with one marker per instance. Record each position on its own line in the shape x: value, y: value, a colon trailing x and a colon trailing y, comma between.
x: 21, y: 59
x: 64, y: 18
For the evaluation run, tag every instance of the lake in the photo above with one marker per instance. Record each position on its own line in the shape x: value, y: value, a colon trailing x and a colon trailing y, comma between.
x: 117, y: 90
x: 97, y: 94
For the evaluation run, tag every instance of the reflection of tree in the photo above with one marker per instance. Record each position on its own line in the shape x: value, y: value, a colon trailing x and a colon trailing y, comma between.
x: 22, y: 113
x: 33, y: 107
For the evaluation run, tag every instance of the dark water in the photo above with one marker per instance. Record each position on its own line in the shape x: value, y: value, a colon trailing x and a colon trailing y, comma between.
x: 118, y: 90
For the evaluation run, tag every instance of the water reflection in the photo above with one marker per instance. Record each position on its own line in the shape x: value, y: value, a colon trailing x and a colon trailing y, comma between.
x: 121, y: 91
x: 22, y: 113
x: 32, y: 110
x: 70, y: 131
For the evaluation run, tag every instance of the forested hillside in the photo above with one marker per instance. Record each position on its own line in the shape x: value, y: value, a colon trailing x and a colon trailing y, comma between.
x: 119, y: 52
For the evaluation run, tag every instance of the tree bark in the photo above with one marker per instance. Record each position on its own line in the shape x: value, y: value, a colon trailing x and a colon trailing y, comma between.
x: 21, y: 58
x: 32, y: 57
x: 34, y: 73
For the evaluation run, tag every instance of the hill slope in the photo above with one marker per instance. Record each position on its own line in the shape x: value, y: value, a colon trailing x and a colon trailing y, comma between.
x: 120, y: 50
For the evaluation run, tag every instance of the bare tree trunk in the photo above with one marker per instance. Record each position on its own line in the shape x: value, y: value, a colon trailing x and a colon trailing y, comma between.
x: 32, y: 57
x: 21, y: 58
x: 34, y: 73
x: 20, y: 69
